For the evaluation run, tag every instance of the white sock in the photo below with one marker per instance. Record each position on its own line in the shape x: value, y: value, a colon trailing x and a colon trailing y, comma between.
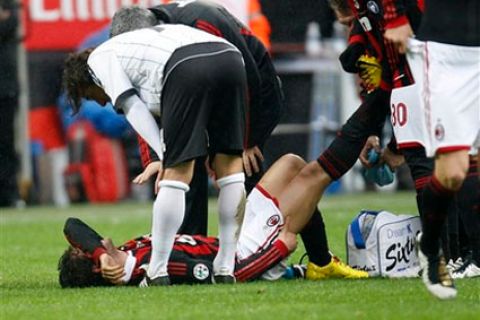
x: 168, y: 213
x: 232, y: 193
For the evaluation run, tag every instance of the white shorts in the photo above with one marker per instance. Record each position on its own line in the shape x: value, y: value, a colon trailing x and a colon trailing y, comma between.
x: 407, y: 117
x: 450, y: 93
x: 261, y: 225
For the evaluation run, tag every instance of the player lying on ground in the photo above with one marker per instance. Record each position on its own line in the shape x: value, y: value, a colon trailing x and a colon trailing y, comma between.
x: 196, y: 83
x: 263, y: 115
x: 265, y: 242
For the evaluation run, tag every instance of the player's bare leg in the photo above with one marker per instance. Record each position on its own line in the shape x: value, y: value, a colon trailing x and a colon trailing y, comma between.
x: 281, y: 173
x: 303, y: 193
x: 231, y: 206
x: 277, y: 182
x: 168, y: 213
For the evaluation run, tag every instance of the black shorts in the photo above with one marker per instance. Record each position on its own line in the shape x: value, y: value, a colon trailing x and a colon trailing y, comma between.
x: 203, y: 102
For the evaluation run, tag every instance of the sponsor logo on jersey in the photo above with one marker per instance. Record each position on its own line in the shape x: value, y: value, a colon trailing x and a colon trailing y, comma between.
x: 373, y: 7
x: 201, y: 272
x: 273, y: 220
x: 439, y: 132
x: 365, y: 23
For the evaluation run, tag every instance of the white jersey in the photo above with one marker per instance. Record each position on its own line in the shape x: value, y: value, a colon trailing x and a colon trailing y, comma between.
x: 136, y: 60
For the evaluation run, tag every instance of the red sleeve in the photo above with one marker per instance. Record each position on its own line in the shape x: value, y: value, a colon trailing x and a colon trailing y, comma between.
x: 147, y: 154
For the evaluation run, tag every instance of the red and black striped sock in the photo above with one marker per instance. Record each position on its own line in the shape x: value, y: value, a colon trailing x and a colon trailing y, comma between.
x: 435, y: 201
x: 469, y: 206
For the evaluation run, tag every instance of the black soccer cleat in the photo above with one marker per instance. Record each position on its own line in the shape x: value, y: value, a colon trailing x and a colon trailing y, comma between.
x: 224, y: 279
x: 161, y: 281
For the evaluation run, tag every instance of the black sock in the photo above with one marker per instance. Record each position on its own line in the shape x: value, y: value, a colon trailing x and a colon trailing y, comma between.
x: 314, y: 238
x: 469, y: 207
x: 436, y: 199
x: 451, y: 247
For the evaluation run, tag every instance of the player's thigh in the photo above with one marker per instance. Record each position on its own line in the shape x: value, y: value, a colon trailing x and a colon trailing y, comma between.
x: 181, y: 172
x: 226, y: 127
x: 185, y: 114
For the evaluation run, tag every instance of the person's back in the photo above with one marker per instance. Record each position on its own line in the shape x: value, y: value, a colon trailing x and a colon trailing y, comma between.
x: 142, y: 55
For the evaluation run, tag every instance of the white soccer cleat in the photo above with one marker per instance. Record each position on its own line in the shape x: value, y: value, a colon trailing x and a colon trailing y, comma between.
x: 454, y: 265
x: 468, y: 270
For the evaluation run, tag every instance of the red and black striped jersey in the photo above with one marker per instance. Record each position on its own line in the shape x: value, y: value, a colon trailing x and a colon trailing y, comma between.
x: 191, y: 260
x: 401, y: 12
x: 368, y: 30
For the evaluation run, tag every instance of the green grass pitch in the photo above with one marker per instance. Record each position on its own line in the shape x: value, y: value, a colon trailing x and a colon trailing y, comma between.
x: 31, y: 242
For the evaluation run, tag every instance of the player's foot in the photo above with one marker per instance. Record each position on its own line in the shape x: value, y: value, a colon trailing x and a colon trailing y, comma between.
x: 335, y: 269
x: 435, y: 275
x: 470, y: 269
x: 295, y: 271
x: 454, y: 265
x: 223, y: 279
x: 155, y: 282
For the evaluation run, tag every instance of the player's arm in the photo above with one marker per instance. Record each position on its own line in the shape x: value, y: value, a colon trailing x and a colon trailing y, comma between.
x: 264, y: 115
x: 254, y: 266
x: 355, y: 49
x: 108, y: 73
x: 397, y: 25
x: 82, y: 236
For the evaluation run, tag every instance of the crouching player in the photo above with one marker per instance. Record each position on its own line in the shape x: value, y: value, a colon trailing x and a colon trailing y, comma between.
x: 267, y: 238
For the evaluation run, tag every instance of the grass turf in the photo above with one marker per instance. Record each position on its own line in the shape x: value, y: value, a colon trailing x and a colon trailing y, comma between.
x: 31, y: 242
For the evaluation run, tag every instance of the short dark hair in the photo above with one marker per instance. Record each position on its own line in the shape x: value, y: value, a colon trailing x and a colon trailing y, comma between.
x: 76, y: 77
x: 77, y: 271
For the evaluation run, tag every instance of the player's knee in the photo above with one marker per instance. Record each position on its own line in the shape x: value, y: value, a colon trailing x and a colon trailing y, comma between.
x: 225, y: 165
x: 313, y: 174
x: 233, y: 178
x: 454, y: 179
x: 182, y: 172
x: 293, y: 162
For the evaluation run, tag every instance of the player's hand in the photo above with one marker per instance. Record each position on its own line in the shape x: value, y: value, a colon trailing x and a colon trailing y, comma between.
x: 252, y: 159
x: 391, y: 159
x: 149, y: 171
x: 112, y: 251
x: 370, y: 71
x: 159, y: 178
x: 399, y: 37
x: 287, y: 237
x: 373, y: 142
x: 111, y: 270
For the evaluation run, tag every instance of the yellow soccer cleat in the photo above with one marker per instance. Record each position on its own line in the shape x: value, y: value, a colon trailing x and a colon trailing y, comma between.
x: 335, y: 269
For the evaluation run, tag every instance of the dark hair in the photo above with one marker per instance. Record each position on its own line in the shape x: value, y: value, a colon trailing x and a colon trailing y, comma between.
x: 76, y: 77
x: 77, y: 271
